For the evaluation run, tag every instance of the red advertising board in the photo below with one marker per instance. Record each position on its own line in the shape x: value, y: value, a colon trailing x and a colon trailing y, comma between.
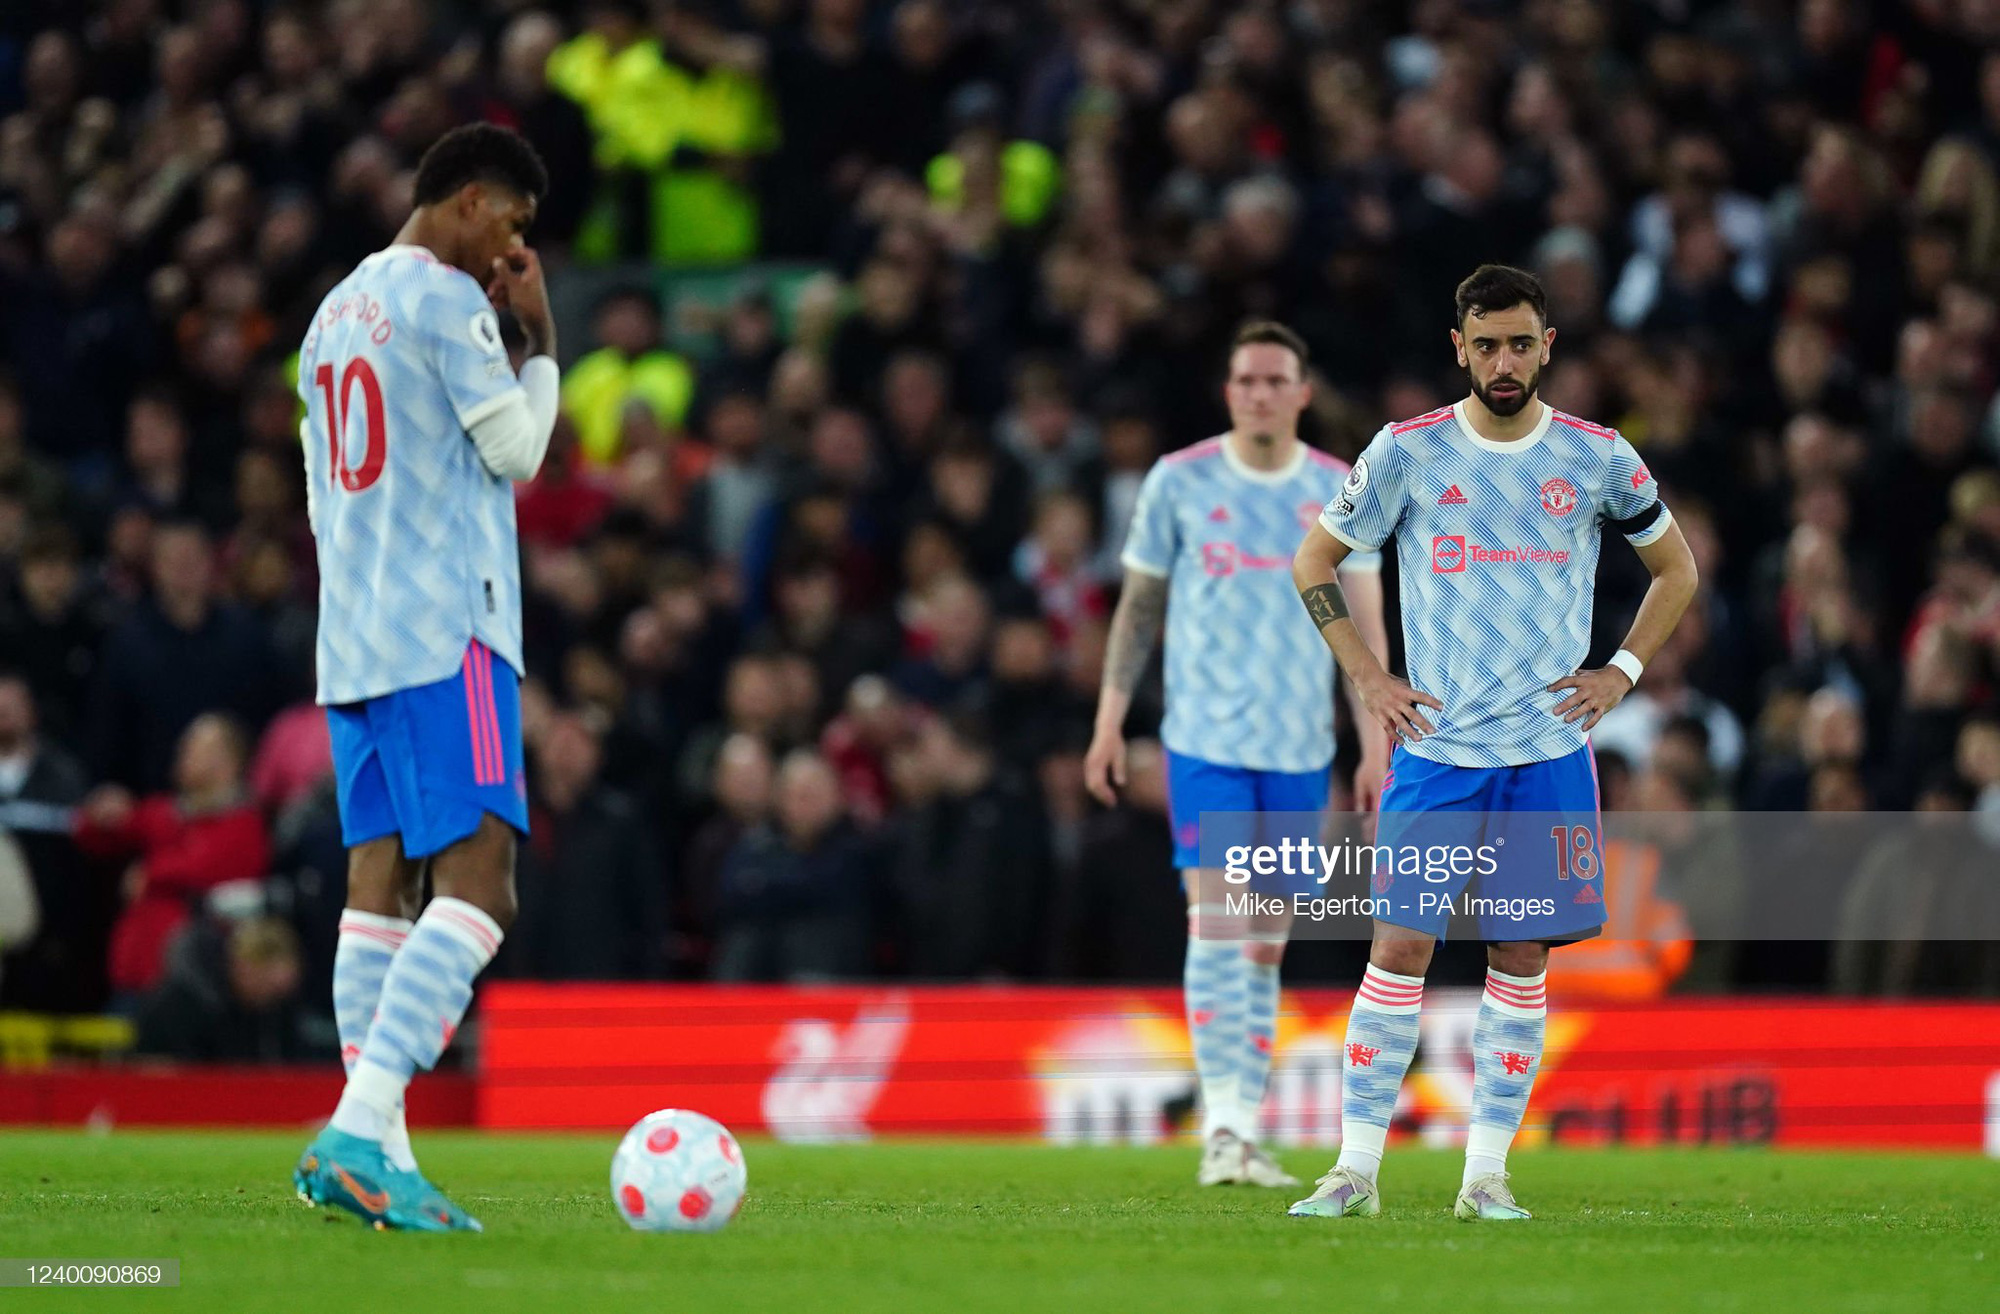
x: 203, y: 1095
x: 1112, y: 1065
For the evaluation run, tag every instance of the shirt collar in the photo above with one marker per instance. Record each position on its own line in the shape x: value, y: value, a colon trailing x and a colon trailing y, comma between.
x: 1515, y: 448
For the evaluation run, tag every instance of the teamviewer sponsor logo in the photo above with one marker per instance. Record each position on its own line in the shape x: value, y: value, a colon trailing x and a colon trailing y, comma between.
x: 1450, y: 554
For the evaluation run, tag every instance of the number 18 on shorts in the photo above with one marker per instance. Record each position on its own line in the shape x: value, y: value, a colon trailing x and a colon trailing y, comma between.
x: 1517, y: 850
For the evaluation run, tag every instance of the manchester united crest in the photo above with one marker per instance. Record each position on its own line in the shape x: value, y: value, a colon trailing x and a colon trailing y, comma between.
x: 1559, y: 497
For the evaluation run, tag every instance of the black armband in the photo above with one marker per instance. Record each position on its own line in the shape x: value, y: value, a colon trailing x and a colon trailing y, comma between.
x: 1643, y: 521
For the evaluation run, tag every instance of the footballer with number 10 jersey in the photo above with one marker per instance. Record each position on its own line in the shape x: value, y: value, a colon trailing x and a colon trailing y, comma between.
x: 416, y: 428
x: 419, y: 567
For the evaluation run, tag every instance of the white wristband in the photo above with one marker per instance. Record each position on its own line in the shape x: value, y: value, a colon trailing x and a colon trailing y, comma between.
x: 1627, y: 663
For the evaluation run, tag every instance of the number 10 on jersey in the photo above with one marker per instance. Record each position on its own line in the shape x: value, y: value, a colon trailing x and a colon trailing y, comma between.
x: 359, y: 372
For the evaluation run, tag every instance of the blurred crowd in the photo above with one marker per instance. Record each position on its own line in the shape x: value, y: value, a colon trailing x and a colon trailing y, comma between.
x: 816, y: 612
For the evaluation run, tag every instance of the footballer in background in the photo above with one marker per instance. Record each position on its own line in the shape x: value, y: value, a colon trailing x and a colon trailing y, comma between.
x: 1249, y: 702
x: 1498, y: 505
x: 416, y: 429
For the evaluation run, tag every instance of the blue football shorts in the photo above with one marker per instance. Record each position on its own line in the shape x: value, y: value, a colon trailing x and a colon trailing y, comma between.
x: 1195, y: 786
x: 427, y: 763
x: 1538, y: 826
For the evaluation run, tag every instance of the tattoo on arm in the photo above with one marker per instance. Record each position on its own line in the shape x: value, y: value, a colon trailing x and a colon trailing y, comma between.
x: 1135, y: 628
x: 1325, y: 603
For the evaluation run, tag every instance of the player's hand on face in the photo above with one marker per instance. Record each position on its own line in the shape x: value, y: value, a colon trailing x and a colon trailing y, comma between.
x: 1592, y: 694
x: 1104, y: 767
x: 1398, y: 708
x: 516, y: 284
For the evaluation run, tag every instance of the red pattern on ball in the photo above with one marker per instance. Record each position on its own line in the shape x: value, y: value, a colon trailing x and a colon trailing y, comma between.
x: 633, y: 1198
x: 695, y: 1202
x: 663, y: 1140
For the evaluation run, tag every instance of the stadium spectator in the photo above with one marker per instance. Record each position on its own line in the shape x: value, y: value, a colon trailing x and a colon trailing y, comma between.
x: 20, y: 912
x: 52, y: 628
x: 794, y: 900
x: 1913, y: 895
x: 1119, y: 921
x: 180, y: 846
x: 970, y: 868
x: 744, y: 776
x: 62, y: 969
x: 589, y: 876
x: 179, y: 653
x: 628, y: 362
x: 234, y: 994
x: 522, y: 98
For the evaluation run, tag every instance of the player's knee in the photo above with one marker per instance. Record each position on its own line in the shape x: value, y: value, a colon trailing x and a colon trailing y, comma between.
x: 1518, y: 958
x: 480, y: 870
x: 1265, y: 953
x: 1403, y: 957
x: 376, y: 873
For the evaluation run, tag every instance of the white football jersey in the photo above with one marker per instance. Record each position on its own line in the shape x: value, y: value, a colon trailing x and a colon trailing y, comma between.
x: 1249, y: 680
x: 417, y: 550
x: 1497, y: 545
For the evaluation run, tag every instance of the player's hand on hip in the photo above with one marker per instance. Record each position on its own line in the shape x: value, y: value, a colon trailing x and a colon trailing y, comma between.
x: 1104, y: 767
x: 517, y: 285
x: 1592, y: 694
x: 1398, y: 707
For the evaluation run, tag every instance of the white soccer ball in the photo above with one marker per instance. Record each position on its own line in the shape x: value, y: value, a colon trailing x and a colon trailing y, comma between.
x: 677, y: 1171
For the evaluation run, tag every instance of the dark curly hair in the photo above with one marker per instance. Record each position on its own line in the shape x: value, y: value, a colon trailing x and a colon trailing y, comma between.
x: 1500, y: 287
x: 480, y: 152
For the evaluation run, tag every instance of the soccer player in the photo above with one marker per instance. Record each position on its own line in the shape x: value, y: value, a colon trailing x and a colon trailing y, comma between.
x: 416, y: 427
x: 1497, y: 505
x: 1249, y: 719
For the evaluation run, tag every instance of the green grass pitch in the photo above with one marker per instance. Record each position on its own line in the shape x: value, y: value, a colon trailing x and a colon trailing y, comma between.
x: 960, y: 1227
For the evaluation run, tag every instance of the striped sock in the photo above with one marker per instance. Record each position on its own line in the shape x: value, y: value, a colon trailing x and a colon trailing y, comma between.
x: 1260, y: 1022
x: 1506, y: 1050
x: 1212, y: 979
x: 1381, y: 1041
x: 367, y: 945
x: 423, y: 999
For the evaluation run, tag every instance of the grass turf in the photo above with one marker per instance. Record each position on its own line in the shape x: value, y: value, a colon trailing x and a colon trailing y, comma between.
x: 970, y: 1227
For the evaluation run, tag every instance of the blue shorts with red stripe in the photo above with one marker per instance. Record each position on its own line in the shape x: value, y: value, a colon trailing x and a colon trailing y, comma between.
x: 427, y: 763
x: 1543, y: 885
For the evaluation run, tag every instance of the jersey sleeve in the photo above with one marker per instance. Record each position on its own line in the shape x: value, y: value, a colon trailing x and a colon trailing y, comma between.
x: 1151, y: 541
x: 1361, y: 563
x: 1368, y: 506
x: 461, y: 335
x: 1630, y: 501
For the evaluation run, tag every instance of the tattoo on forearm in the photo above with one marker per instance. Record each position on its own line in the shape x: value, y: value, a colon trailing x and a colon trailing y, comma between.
x: 1135, y: 628
x: 1325, y: 603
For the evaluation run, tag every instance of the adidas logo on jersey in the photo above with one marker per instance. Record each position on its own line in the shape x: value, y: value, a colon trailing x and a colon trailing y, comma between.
x: 1588, y: 894
x: 1220, y: 515
x: 1452, y: 497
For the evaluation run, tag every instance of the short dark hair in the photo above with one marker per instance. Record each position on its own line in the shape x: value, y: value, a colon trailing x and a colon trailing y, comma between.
x: 1500, y: 287
x: 1259, y: 332
x: 480, y: 152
